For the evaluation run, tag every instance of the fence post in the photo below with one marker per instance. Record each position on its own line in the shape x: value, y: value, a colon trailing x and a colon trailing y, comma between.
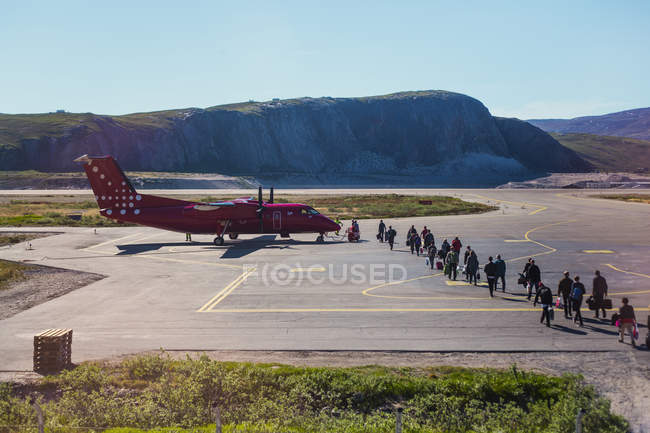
x: 39, y: 415
x: 217, y: 419
x: 581, y: 413
x: 398, y: 420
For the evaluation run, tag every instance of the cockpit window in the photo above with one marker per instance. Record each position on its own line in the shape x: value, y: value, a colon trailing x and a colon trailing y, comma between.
x: 312, y: 211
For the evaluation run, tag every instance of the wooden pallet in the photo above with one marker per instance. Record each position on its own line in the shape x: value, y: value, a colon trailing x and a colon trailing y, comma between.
x: 52, y: 350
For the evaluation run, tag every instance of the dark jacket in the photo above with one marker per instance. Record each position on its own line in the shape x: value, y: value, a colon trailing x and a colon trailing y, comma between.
x: 382, y: 227
x: 391, y: 235
x: 544, y: 295
x: 472, y: 263
x: 564, y: 287
x: 490, y: 269
x: 534, y: 273
x: 577, y: 291
x: 626, y: 312
x: 432, y: 252
x: 600, y: 287
x: 501, y: 267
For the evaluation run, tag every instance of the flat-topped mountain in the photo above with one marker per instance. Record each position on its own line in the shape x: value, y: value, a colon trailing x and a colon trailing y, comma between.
x: 424, y: 136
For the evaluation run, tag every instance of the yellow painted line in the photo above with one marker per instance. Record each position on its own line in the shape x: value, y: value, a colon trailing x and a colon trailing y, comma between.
x: 169, y: 259
x: 308, y: 270
x: 550, y: 250
x: 598, y: 251
x: 627, y: 272
x: 225, y: 291
x: 381, y: 310
x: 232, y: 288
x: 111, y: 241
x: 637, y: 292
x: 394, y: 283
x: 539, y: 206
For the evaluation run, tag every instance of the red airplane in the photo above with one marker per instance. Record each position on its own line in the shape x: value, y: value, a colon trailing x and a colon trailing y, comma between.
x: 118, y: 200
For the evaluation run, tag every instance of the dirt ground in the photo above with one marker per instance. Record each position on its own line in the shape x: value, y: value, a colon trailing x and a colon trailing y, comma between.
x: 41, y: 284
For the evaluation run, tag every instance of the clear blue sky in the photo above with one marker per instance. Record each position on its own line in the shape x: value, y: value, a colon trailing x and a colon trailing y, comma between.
x: 520, y: 58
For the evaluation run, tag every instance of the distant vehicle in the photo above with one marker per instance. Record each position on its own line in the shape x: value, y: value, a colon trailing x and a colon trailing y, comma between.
x: 118, y: 200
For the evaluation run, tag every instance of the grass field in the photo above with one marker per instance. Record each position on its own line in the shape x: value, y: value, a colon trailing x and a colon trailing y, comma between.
x: 634, y: 198
x: 608, y: 153
x: 57, y: 210
x: 150, y: 392
x: 10, y: 272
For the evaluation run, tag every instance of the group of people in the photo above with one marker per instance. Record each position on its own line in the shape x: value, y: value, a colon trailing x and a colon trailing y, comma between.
x: 570, y: 293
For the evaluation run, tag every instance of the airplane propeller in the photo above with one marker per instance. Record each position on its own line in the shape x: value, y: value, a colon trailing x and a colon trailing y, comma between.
x: 260, y: 209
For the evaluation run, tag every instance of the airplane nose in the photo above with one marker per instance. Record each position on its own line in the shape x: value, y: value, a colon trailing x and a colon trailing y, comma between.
x: 331, y: 225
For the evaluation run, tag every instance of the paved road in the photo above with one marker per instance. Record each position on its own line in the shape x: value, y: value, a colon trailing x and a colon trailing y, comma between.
x: 274, y: 294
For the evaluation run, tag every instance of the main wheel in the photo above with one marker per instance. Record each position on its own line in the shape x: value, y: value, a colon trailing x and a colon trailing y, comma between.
x: 218, y: 241
x: 233, y: 235
x: 320, y: 239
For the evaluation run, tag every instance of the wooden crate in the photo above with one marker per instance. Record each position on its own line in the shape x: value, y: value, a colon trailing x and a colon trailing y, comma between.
x: 52, y: 350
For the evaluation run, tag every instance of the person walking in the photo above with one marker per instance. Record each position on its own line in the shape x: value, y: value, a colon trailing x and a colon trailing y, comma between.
x: 452, y: 262
x: 337, y: 220
x: 627, y: 320
x: 391, y: 236
x: 577, y: 293
x: 188, y: 237
x: 599, y: 292
x: 431, y: 253
x: 412, y: 237
x: 444, y: 249
x: 534, y: 277
x: 564, y: 290
x: 465, y: 257
x: 471, y: 268
x: 418, y: 244
x: 382, y: 229
x: 545, y: 296
x: 490, y: 270
x: 428, y: 239
x: 456, y: 245
x: 501, y: 273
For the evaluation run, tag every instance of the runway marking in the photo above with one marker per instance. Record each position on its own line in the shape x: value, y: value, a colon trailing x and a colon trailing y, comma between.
x: 381, y: 310
x: 598, y: 251
x: 526, y: 239
x: 551, y: 250
x: 626, y: 272
x: 539, y: 206
x: 216, y: 299
x: 157, y: 256
x: 308, y: 270
x: 515, y: 240
x: 111, y: 241
x: 464, y: 283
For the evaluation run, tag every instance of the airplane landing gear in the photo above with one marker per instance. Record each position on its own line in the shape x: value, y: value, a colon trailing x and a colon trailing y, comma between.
x: 218, y: 241
x: 233, y: 235
x: 320, y: 239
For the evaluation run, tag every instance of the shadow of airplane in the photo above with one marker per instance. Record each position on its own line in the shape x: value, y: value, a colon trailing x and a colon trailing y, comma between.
x: 233, y: 249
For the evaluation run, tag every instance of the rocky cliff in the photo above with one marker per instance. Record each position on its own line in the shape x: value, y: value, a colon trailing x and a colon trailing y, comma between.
x: 432, y: 133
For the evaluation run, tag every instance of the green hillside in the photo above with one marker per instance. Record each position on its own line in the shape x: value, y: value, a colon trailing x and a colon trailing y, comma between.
x: 608, y: 153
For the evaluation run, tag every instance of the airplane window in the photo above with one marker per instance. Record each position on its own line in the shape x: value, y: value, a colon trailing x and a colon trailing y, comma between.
x: 312, y: 211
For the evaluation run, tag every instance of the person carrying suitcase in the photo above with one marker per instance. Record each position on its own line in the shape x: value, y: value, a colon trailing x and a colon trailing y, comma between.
x: 599, y: 292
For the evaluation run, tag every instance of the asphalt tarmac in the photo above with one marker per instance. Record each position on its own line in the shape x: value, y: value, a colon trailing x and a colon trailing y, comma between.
x: 265, y: 293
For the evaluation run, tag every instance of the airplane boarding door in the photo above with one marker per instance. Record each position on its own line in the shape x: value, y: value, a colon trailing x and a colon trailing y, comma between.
x: 277, y: 220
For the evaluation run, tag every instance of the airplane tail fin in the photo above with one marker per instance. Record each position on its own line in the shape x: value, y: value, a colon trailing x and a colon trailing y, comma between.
x: 114, y: 190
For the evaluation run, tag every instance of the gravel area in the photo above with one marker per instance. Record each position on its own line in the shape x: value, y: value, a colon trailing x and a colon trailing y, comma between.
x: 41, y: 284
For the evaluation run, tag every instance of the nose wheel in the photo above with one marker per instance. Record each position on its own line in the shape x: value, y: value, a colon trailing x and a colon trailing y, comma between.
x: 218, y: 241
x: 320, y: 239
